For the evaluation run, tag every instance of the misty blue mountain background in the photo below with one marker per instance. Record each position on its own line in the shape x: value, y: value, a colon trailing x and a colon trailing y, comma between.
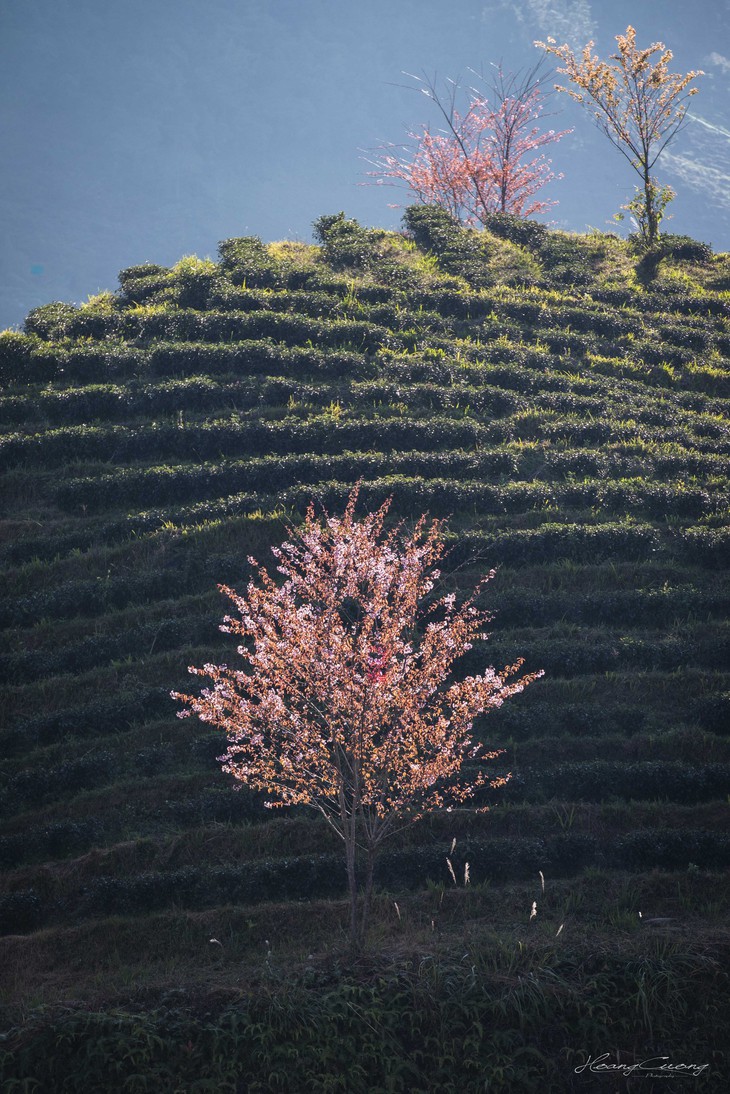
x: 149, y: 129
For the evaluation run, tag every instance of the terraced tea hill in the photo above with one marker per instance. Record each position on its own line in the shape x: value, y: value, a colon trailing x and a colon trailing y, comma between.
x: 563, y: 401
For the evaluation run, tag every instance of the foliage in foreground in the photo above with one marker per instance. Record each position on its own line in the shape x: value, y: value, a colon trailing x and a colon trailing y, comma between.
x: 499, y: 1017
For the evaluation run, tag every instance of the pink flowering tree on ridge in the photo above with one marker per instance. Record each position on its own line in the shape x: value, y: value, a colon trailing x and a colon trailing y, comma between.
x: 487, y: 159
x: 346, y: 700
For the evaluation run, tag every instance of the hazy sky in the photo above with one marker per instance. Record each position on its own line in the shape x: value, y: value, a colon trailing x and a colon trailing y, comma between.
x: 143, y: 130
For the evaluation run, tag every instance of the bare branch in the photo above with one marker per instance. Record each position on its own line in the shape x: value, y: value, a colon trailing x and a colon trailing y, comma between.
x: 487, y: 159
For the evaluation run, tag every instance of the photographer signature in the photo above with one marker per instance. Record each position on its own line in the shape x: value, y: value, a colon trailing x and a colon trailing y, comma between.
x: 654, y: 1065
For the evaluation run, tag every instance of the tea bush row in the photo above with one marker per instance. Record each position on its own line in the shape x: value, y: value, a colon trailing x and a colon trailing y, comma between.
x: 702, y: 546
x: 552, y: 542
x: 99, y: 649
x: 33, y: 787
x: 99, y: 718
x: 503, y: 463
x: 45, y: 548
x: 638, y: 728
x: 550, y: 719
x: 217, y: 439
x: 708, y: 547
x: 188, y: 325
x: 201, y: 393
x: 586, y: 544
x: 529, y: 371
x: 118, y: 361
x: 197, y: 395
x: 578, y: 653
x: 625, y: 607
x: 393, y: 312
x: 409, y: 497
x: 60, y: 839
x: 155, y: 485
x: 88, y: 597
x: 166, y: 484
x: 44, y: 783
x: 388, y: 307
x: 665, y: 299
x: 605, y: 780
x: 322, y: 876
x: 56, y: 840
x: 590, y: 652
x: 186, y: 571
x: 579, y: 543
x: 213, y: 440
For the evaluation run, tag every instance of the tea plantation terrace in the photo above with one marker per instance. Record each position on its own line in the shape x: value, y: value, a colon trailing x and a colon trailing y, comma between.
x: 563, y: 401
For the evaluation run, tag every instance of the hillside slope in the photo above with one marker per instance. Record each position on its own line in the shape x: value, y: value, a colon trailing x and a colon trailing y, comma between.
x: 560, y: 399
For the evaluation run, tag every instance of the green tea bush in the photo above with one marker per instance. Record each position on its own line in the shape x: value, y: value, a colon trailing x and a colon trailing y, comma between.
x: 570, y: 853
x: 604, y: 780
x: 552, y: 542
x: 253, y: 357
x: 79, y: 364
x: 347, y: 245
x: 707, y: 546
x: 155, y: 288
x: 699, y: 340
x: 296, y: 878
x: 671, y: 850
x: 71, y: 406
x: 89, y: 596
x: 215, y: 440
x: 684, y: 248
x: 15, y: 356
x: 195, y: 288
x: 564, y: 259
x: 553, y: 719
x: 20, y: 912
x: 462, y: 252
x: 660, y: 353
x: 56, y: 840
x: 102, y: 717
x: 221, y: 806
x: 99, y: 649
x: 712, y: 712
x: 60, y: 839
x: 496, y: 859
x: 156, y: 485
x: 520, y: 230
x: 133, y: 274
x: 51, y: 322
x: 35, y: 786
x: 431, y: 227
x: 322, y: 875
x: 283, y: 327
x: 246, y: 260
x: 451, y: 303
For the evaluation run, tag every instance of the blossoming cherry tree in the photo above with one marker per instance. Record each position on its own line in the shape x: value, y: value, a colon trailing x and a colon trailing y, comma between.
x: 346, y: 700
